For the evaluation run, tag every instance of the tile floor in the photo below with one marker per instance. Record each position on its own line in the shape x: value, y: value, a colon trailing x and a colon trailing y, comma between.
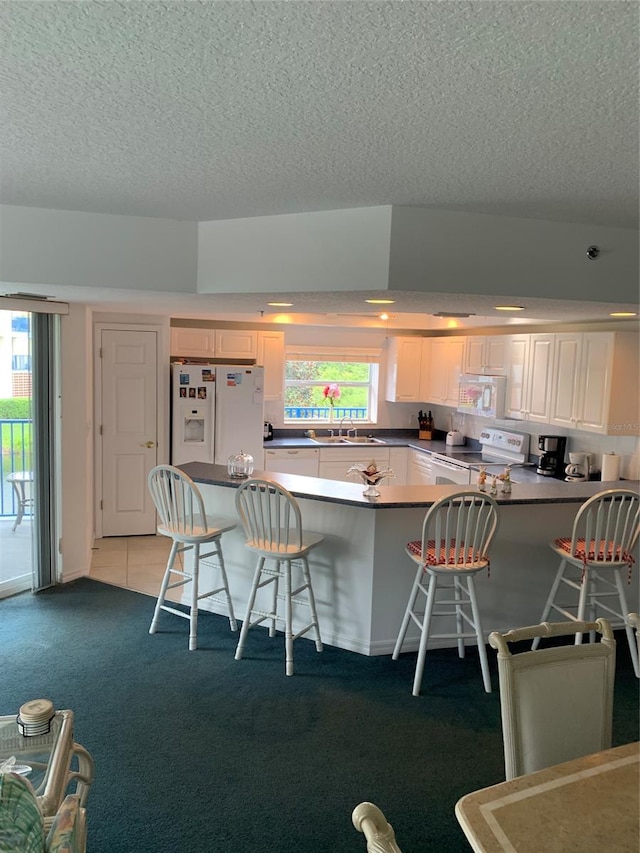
x: 134, y: 562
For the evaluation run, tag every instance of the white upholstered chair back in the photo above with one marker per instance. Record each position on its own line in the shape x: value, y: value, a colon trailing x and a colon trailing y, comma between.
x: 557, y: 702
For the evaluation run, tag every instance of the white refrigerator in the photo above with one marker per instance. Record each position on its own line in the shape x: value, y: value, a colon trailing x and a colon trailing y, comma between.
x: 216, y: 411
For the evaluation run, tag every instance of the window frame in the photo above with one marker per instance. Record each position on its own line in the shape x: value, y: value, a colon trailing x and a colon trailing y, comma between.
x: 341, y: 355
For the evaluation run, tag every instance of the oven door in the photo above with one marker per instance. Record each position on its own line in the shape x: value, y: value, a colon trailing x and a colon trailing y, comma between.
x: 445, y: 472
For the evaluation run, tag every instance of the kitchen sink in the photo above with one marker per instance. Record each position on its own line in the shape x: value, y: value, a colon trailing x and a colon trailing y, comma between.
x: 341, y: 439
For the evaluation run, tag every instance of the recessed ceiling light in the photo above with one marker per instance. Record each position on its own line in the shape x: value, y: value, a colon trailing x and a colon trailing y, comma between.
x: 280, y: 304
x: 509, y: 307
x: 623, y: 314
x: 380, y: 301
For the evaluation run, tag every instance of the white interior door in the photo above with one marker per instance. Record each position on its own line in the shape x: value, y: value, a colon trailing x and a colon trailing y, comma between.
x: 129, y: 361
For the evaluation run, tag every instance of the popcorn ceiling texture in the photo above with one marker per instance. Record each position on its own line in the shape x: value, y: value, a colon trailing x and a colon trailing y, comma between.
x: 218, y: 110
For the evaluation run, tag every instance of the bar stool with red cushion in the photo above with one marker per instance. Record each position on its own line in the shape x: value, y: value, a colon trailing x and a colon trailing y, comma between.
x: 610, y: 523
x: 456, y: 533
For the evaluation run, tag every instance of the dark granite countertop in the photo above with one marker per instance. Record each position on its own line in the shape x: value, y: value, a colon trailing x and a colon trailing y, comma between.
x: 334, y: 491
x: 520, y: 473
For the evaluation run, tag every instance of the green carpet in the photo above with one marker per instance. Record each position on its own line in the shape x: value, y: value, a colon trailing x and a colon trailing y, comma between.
x: 198, y: 753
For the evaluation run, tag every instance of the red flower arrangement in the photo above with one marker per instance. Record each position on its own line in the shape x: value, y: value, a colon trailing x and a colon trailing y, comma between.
x: 331, y: 393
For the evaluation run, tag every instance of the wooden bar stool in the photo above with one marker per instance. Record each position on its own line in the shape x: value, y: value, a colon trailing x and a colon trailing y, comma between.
x: 183, y: 518
x: 456, y: 534
x: 272, y: 523
x: 604, y: 534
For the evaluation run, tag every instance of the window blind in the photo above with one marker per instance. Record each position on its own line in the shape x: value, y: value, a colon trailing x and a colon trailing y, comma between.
x: 366, y: 356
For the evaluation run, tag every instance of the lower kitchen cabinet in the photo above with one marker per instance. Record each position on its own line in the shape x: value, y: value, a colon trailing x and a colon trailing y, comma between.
x: 418, y: 468
x: 398, y: 459
x: 336, y: 461
x: 294, y: 460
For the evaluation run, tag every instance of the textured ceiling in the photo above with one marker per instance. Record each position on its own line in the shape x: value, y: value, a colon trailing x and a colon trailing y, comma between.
x: 219, y: 110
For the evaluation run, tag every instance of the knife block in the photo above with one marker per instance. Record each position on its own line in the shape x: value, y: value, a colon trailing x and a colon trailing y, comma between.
x: 425, y: 433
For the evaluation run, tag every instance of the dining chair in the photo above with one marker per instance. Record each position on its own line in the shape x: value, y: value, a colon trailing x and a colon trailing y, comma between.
x: 556, y: 703
x: 370, y: 821
x: 272, y: 522
x: 456, y: 534
x: 183, y: 519
x: 605, y: 531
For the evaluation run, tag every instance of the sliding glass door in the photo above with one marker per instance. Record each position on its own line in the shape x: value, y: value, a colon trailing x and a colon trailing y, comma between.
x: 29, y: 344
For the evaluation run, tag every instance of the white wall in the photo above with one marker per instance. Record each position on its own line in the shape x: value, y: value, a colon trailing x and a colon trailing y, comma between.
x: 447, y: 251
x: 62, y: 247
x: 309, y: 252
x: 76, y: 442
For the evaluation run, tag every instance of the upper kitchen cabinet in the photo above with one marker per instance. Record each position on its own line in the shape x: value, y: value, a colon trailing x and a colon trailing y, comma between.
x: 236, y: 343
x: 529, y: 377
x: 229, y: 344
x: 486, y: 355
x: 443, y: 367
x: 405, y: 362
x: 596, y: 382
x: 271, y: 357
x: 193, y: 343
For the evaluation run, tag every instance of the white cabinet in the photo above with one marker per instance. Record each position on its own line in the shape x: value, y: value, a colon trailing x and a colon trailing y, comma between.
x: 229, y: 344
x: 419, y: 468
x: 336, y: 461
x: 596, y: 382
x: 271, y: 357
x: 193, y: 343
x: 236, y: 343
x: 404, y: 360
x: 398, y: 460
x: 294, y: 460
x: 486, y: 354
x: 442, y: 369
x: 529, y: 377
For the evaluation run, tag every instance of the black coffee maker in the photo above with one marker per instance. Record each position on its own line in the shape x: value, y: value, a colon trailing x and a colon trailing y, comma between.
x: 551, y: 462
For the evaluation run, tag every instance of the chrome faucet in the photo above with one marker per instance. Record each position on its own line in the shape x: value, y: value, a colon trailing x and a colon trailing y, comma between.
x: 350, y: 429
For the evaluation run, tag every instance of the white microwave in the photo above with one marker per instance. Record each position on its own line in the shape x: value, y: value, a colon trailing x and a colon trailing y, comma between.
x: 482, y: 396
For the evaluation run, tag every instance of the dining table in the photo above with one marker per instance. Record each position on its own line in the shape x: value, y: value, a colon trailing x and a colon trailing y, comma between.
x: 585, y: 805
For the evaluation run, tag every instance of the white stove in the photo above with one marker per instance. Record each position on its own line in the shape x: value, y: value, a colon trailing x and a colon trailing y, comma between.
x: 499, y: 448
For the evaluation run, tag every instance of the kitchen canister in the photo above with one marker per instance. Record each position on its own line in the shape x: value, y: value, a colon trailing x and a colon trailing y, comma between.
x: 240, y: 465
x: 610, y: 467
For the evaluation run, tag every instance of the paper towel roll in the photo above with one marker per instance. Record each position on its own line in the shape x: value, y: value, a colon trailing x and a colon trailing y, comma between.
x: 610, y: 467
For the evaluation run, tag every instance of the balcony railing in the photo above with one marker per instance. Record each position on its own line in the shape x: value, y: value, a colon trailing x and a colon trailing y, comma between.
x: 17, y: 447
x: 322, y: 413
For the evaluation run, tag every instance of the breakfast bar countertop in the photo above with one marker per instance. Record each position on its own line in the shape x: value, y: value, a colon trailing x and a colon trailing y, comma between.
x: 550, y: 491
x: 362, y: 577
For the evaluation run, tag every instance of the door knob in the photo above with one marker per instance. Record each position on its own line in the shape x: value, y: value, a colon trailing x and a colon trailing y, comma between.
x: 148, y: 444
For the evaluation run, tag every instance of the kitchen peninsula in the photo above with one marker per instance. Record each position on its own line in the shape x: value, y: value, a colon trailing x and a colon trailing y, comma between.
x: 361, y: 574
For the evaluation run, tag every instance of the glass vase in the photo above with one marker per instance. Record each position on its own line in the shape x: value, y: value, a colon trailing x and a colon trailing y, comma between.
x: 371, y: 491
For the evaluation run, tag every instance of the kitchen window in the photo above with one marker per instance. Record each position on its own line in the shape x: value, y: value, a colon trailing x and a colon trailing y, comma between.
x: 310, y: 370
